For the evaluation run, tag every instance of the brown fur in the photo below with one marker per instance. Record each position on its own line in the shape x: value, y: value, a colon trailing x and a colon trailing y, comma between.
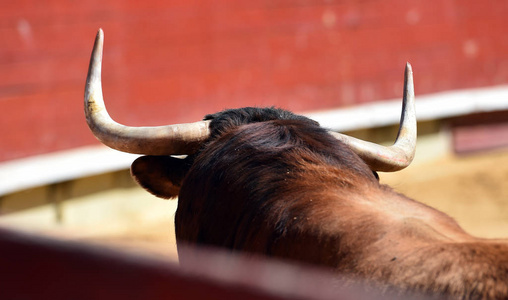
x: 287, y: 189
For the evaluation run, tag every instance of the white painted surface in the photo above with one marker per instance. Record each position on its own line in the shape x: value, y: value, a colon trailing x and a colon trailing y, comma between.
x: 21, y: 174
x: 428, y: 107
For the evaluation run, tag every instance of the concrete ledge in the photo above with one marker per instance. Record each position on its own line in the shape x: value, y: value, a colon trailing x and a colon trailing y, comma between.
x: 51, y: 168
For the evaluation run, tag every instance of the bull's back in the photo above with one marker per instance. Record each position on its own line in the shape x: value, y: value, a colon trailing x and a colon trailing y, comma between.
x: 461, y: 270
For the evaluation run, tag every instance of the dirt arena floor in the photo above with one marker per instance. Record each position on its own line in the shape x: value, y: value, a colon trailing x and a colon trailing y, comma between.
x: 471, y: 188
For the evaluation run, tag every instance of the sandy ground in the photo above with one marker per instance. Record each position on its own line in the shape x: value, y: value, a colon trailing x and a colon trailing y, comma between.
x: 473, y: 189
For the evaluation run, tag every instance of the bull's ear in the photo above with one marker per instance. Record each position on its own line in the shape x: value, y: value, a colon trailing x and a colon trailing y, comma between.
x: 160, y: 175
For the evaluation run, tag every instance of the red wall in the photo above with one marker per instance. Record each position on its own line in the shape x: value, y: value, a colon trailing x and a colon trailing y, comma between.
x: 174, y: 61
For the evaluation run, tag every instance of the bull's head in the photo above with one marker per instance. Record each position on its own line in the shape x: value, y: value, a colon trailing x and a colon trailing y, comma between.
x: 186, y: 138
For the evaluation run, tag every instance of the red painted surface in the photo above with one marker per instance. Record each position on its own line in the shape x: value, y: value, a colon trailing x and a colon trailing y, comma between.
x: 480, y: 132
x: 174, y: 61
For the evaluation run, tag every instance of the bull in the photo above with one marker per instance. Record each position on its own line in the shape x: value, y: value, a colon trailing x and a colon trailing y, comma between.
x: 267, y: 181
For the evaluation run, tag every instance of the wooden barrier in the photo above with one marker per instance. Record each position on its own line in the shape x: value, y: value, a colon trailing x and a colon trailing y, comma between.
x: 36, y: 267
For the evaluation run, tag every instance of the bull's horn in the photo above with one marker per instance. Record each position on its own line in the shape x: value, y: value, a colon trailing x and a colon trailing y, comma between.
x: 401, y: 153
x: 159, y: 140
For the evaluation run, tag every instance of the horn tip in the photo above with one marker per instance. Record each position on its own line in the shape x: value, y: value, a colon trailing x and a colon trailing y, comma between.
x: 408, y: 67
x: 100, y: 36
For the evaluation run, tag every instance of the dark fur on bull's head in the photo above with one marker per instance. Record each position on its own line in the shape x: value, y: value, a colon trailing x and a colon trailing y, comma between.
x: 254, y: 177
x: 276, y: 130
x: 267, y: 181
